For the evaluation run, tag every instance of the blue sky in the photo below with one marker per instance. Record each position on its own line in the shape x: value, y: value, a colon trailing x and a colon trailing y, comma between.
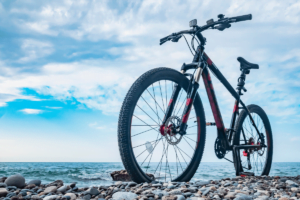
x: 65, y: 67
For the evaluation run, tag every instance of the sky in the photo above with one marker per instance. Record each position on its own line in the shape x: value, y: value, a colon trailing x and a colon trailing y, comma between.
x: 66, y: 66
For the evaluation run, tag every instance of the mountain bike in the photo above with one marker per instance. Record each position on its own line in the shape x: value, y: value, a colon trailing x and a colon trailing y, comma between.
x: 162, y: 125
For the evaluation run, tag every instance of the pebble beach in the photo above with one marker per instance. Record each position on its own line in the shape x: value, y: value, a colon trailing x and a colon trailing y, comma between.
x: 251, y: 187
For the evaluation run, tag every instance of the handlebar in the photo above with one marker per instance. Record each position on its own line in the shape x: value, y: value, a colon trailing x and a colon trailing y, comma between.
x: 222, y: 23
x: 242, y: 18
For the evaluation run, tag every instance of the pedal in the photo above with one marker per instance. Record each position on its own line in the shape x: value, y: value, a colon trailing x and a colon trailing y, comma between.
x: 244, y: 174
x: 210, y: 124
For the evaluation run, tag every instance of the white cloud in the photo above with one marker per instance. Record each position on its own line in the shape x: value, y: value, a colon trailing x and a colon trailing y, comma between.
x: 102, y: 83
x: 31, y: 111
x: 34, y: 49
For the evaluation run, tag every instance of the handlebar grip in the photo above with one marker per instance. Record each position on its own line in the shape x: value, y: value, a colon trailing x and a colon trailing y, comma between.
x: 163, y: 40
x: 242, y: 18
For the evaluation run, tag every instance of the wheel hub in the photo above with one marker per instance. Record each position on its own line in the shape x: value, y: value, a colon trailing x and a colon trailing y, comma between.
x: 170, y: 130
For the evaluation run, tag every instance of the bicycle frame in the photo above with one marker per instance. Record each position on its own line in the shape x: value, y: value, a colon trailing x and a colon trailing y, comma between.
x: 202, y: 63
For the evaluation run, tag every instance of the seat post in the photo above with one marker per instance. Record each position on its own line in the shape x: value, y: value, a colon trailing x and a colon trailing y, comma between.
x: 241, y: 82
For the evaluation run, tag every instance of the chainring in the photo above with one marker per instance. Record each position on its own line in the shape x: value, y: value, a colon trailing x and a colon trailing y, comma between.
x: 220, y: 150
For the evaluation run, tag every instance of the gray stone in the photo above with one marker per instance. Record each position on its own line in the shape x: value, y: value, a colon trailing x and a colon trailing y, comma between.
x: 11, y: 194
x: 62, y: 189
x: 35, y: 182
x: 118, y: 183
x: 124, y: 195
x: 131, y: 184
x: 171, y: 186
x: 94, y: 191
x: 73, y: 184
x: 156, y: 185
x: 50, y: 189
x: 15, y: 180
x: 87, y: 197
x: 35, y: 197
x: 3, y: 192
x: 180, y: 197
x: 240, y: 196
x: 57, y: 183
x: 51, y: 197
x: 292, y: 183
x: 201, y: 183
x: 66, y: 197
x: 71, y: 195
x: 262, y: 198
x: 3, y: 185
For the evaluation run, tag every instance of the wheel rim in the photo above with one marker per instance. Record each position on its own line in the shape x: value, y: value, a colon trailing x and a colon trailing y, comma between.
x: 256, y: 157
x: 159, y: 154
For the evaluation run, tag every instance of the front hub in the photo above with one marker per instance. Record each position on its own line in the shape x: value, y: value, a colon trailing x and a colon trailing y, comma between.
x: 170, y: 130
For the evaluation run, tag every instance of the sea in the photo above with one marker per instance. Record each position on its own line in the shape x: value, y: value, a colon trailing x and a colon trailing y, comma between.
x: 88, y: 174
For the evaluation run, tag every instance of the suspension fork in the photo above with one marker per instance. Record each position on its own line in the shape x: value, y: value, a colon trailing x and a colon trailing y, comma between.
x: 190, y: 100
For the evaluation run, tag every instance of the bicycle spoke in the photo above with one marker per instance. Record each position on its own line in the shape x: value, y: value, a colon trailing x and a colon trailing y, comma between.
x: 162, y: 100
x: 151, y: 108
x: 147, y: 114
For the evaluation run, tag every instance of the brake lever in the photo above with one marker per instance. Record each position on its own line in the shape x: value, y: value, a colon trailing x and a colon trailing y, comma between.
x: 176, y: 38
x: 223, y: 26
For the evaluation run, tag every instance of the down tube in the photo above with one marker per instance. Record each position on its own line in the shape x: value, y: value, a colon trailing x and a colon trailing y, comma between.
x: 213, y: 102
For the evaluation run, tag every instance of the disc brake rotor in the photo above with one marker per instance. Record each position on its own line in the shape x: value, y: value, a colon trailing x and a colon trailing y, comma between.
x: 170, y: 132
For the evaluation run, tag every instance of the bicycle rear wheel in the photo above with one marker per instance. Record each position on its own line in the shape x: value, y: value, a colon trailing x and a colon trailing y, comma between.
x: 144, y: 149
x: 257, y: 161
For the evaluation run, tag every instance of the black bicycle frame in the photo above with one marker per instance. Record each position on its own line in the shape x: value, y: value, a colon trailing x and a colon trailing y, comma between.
x: 202, y: 63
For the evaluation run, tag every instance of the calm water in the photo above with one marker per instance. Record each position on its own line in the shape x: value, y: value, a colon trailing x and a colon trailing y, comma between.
x: 88, y: 174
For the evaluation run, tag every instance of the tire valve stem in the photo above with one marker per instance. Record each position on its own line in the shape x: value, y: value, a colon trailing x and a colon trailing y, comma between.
x: 210, y: 123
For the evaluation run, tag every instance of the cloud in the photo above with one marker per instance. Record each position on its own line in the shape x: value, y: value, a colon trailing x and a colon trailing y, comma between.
x: 31, y: 111
x: 101, y: 83
x: 34, y: 49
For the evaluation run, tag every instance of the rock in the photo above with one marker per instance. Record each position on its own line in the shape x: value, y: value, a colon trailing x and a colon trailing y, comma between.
x: 62, y: 189
x: 51, y: 197
x: 35, y: 197
x: 169, y: 197
x: 72, y: 185
x: 71, y: 195
x: 35, y: 182
x: 118, y: 183
x: 122, y: 175
x: 262, y: 198
x: 283, y: 198
x: 201, y: 183
x: 2, y: 179
x: 171, y: 186
x: 93, y: 191
x: 11, y: 194
x: 294, y: 189
x: 3, y: 192
x: 87, y: 197
x: 57, y: 183
x: 30, y: 186
x: 3, y: 185
x: 180, y: 197
x: 15, y: 180
x: 66, y: 197
x: 230, y: 195
x: 13, y: 198
x: 51, y: 189
x: 291, y: 183
x: 124, y: 195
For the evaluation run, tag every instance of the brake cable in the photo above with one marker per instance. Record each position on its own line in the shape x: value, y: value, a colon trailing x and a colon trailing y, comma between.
x: 188, y: 45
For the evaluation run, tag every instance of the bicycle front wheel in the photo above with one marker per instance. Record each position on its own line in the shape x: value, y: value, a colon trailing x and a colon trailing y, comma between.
x: 144, y: 149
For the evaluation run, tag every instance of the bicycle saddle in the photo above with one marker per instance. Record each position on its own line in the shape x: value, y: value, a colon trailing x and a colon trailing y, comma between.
x: 247, y: 65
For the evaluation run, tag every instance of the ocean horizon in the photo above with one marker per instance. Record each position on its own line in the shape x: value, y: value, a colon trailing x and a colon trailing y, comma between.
x: 88, y: 174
